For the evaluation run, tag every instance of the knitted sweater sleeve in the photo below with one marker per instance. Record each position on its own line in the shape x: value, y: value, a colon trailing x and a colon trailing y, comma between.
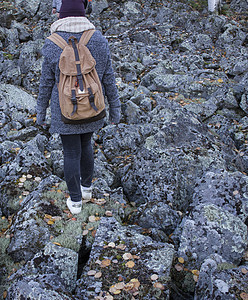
x: 47, y: 81
x: 110, y: 89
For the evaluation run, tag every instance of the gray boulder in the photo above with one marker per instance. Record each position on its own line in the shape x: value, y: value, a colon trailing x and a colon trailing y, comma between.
x: 221, y: 280
x: 120, y: 251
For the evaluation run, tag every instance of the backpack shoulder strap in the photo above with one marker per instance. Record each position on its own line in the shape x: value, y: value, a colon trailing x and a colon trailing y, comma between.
x: 58, y: 40
x: 86, y: 36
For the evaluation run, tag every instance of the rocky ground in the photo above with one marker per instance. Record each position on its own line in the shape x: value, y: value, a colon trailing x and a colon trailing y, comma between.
x: 169, y: 215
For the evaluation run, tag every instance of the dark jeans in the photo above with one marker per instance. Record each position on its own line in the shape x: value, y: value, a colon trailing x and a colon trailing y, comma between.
x: 78, y: 162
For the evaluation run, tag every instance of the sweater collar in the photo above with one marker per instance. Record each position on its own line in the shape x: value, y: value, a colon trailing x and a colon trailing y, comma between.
x: 72, y: 24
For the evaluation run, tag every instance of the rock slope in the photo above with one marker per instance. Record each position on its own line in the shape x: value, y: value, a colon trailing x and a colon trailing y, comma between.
x: 169, y: 214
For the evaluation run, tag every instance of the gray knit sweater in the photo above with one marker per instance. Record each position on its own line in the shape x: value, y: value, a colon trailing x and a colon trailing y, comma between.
x: 48, y: 91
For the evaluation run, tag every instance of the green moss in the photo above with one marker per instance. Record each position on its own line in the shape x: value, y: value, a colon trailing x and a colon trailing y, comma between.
x: 67, y: 241
x: 3, y: 223
x: 4, y: 243
x: 7, y: 55
x: 225, y: 266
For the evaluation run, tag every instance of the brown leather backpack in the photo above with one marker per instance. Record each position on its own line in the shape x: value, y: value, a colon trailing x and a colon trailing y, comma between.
x: 80, y: 92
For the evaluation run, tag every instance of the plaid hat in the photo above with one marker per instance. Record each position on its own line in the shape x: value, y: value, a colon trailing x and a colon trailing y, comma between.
x: 72, y: 8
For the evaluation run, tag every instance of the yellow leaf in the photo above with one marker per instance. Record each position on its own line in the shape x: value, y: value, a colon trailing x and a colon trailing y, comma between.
x: 181, y: 260
x: 130, y: 264
x: 50, y: 222
x: 48, y: 216
x: 136, y: 282
x: 55, y: 243
x: 195, y: 272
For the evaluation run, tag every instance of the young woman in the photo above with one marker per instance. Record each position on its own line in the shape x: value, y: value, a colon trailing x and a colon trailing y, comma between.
x: 76, y: 139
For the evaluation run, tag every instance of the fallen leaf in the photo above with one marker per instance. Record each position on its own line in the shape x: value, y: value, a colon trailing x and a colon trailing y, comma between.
x: 154, y: 277
x: 130, y: 264
x: 181, y: 260
x: 121, y: 247
x: 4, y: 294
x: 120, y: 285
x: 127, y: 256
x: 112, y: 289
x: 108, y: 297
x: 98, y: 275
x: 158, y: 285
x: 92, y: 218
x: 105, y: 263
x: 235, y: 192
x: 136, y: 282
x: 195, y: 272
x: 55, y: 243
x: 244, y: 270
x: 111, y: 245
x: 99, y: 201
x: 244, y: 296
x: 98, y: 262
x: 85, y: 232
x: 129, y: 286
x: 178, y: 267
x: 108, y: 213
x: 195, y: 277
x: 91, y: 273
x: 50, y: 222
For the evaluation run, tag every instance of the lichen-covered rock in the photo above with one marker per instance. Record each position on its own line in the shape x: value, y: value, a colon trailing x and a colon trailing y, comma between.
x: 228, y: 190
x: 211, y: 229
x: 122, y: 262
x: 220, y: 280
x: 52, y: 259
x: 181, y: 146
x: 47, y: 287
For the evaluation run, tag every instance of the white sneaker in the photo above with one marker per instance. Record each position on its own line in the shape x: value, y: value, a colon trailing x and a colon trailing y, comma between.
x: 74, y: 207
x: 86, y: 192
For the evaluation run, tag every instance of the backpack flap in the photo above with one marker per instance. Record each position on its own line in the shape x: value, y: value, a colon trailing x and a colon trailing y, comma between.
x: 67, y: 63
